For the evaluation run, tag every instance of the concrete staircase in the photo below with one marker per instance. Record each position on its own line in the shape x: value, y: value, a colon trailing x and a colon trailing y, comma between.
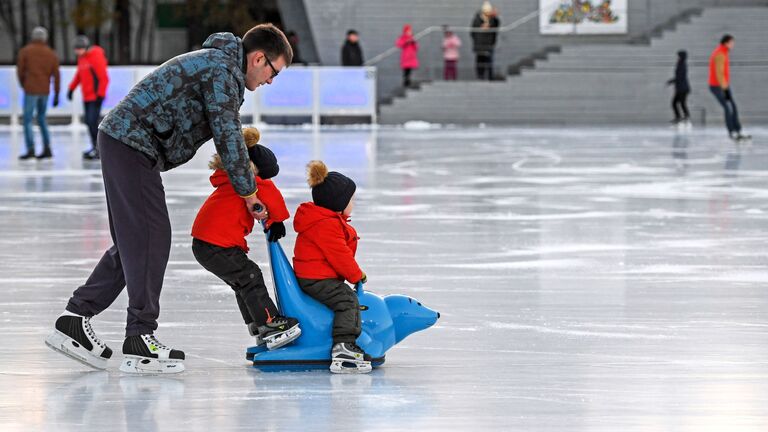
x: 608, y: 84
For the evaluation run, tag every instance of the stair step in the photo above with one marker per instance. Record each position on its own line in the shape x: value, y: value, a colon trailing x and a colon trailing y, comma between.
x: 608, y: 83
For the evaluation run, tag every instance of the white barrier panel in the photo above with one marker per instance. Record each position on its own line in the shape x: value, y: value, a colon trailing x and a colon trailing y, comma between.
x: 302, y: 91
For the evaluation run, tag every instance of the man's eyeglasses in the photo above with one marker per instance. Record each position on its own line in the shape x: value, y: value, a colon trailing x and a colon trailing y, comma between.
x: 274, y: 71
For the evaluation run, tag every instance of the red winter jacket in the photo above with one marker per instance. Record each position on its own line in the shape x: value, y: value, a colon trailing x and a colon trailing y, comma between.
x: 326, y: 245
x: 409, y: 56
x: 224, y: 220
x: 91, y: 74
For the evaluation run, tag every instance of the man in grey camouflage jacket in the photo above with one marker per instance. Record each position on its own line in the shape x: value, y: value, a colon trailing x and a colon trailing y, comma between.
x: 160, y: 125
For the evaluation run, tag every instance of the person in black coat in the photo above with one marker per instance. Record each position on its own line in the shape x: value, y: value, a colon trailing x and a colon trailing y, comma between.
x: 293, y: 40
x: 486, y: 21
x: 682, y: 88
x: 351, y: 53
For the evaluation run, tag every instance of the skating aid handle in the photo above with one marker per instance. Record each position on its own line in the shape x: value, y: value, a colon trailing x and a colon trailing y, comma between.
x: 258, y: 208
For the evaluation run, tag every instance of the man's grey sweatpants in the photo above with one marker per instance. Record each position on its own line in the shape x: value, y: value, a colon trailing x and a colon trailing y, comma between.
x: 141, y: 236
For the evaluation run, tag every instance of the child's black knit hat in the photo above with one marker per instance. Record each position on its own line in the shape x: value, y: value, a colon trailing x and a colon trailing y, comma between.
x: 262, y: 157
x: 331, y: 190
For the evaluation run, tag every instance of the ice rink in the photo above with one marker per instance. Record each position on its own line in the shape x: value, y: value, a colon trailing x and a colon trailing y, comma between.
x: 587, y: 280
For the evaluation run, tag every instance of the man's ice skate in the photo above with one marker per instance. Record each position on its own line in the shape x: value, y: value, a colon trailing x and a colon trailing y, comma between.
x: 144, y: 354
x: 742, y: 138
x: 75, y: 338
x: 349, y: 358
x: 279, y: 331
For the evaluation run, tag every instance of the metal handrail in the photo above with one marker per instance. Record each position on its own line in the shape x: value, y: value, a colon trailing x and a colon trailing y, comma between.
x: 513, y: 25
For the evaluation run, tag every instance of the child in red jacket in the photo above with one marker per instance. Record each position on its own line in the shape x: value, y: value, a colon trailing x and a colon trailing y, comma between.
x: 219, y: 243
x: 324, y: 256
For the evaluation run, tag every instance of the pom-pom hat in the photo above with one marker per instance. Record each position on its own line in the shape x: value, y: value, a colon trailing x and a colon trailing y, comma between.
x: 331, y: 190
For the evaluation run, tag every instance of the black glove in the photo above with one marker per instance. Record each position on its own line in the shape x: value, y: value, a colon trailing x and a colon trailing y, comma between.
x: 276, y: 231
x: 56, y: 100
x: 364, y: 279
x: 727, y: 93
x: 69, y: 95
x: 100, y: 100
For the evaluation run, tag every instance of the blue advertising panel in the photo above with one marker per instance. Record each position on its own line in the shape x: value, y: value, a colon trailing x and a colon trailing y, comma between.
x: 7, y: 83
x: 120, y: 83
x: 290, y: 92
x: 298, y: 91
x: 65, y: 77
x: 346, y: 89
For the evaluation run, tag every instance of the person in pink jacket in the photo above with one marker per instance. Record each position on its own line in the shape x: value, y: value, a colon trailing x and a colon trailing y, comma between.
x: 451, y: 45
x: 409, y: 56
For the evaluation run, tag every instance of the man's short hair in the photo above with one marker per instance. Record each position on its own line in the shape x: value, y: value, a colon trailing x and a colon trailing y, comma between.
x: 351, y: 32
x: 270, y: 40
x: 725, y: 39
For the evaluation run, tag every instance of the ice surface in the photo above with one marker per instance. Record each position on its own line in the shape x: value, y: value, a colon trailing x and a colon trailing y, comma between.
x: 587, y: 279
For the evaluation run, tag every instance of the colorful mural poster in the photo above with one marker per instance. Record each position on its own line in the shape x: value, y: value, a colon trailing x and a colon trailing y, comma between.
x: 583, y: 16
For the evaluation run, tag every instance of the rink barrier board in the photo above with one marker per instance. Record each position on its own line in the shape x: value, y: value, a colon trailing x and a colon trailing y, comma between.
x: 312, y: 91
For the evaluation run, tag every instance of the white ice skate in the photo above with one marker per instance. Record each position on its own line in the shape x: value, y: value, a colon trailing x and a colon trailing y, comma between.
x: 349, y: 358
x: 144, y: 354
x: 75, y: 338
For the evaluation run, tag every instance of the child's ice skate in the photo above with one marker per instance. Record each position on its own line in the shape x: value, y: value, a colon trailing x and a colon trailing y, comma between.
x: 279, y: 331
x: 144, y: 354
x: 75, y: 338
x: 253, y: 329
x: 349, y: 358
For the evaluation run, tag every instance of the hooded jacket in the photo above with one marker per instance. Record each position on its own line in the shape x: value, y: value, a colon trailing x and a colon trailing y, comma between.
x: 326, y: 245
x: 681, y: 75
x: 409, y: 56
x: 224, y: 220
x: 91, y: 74
x: 185, y: 102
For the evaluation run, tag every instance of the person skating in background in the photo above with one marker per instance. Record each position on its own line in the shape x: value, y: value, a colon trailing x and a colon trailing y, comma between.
x: 36, y: 65
x: 92, y: 77
x: 682, y: 89
x: 151, y: 131
x: 219, y: 243
x: 451, y: 45
x: 351, y: 52
x: 409, y: 53
x: 484, y: 40
x: 324, y: 257
x: 720, y: 86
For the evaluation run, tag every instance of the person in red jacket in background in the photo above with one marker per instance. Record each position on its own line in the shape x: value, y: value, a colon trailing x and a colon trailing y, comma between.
x: 720, y: 86
x: 409, y: 56
x: 324, y: 256
x: 219, y: 243
x: 91, y: 76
